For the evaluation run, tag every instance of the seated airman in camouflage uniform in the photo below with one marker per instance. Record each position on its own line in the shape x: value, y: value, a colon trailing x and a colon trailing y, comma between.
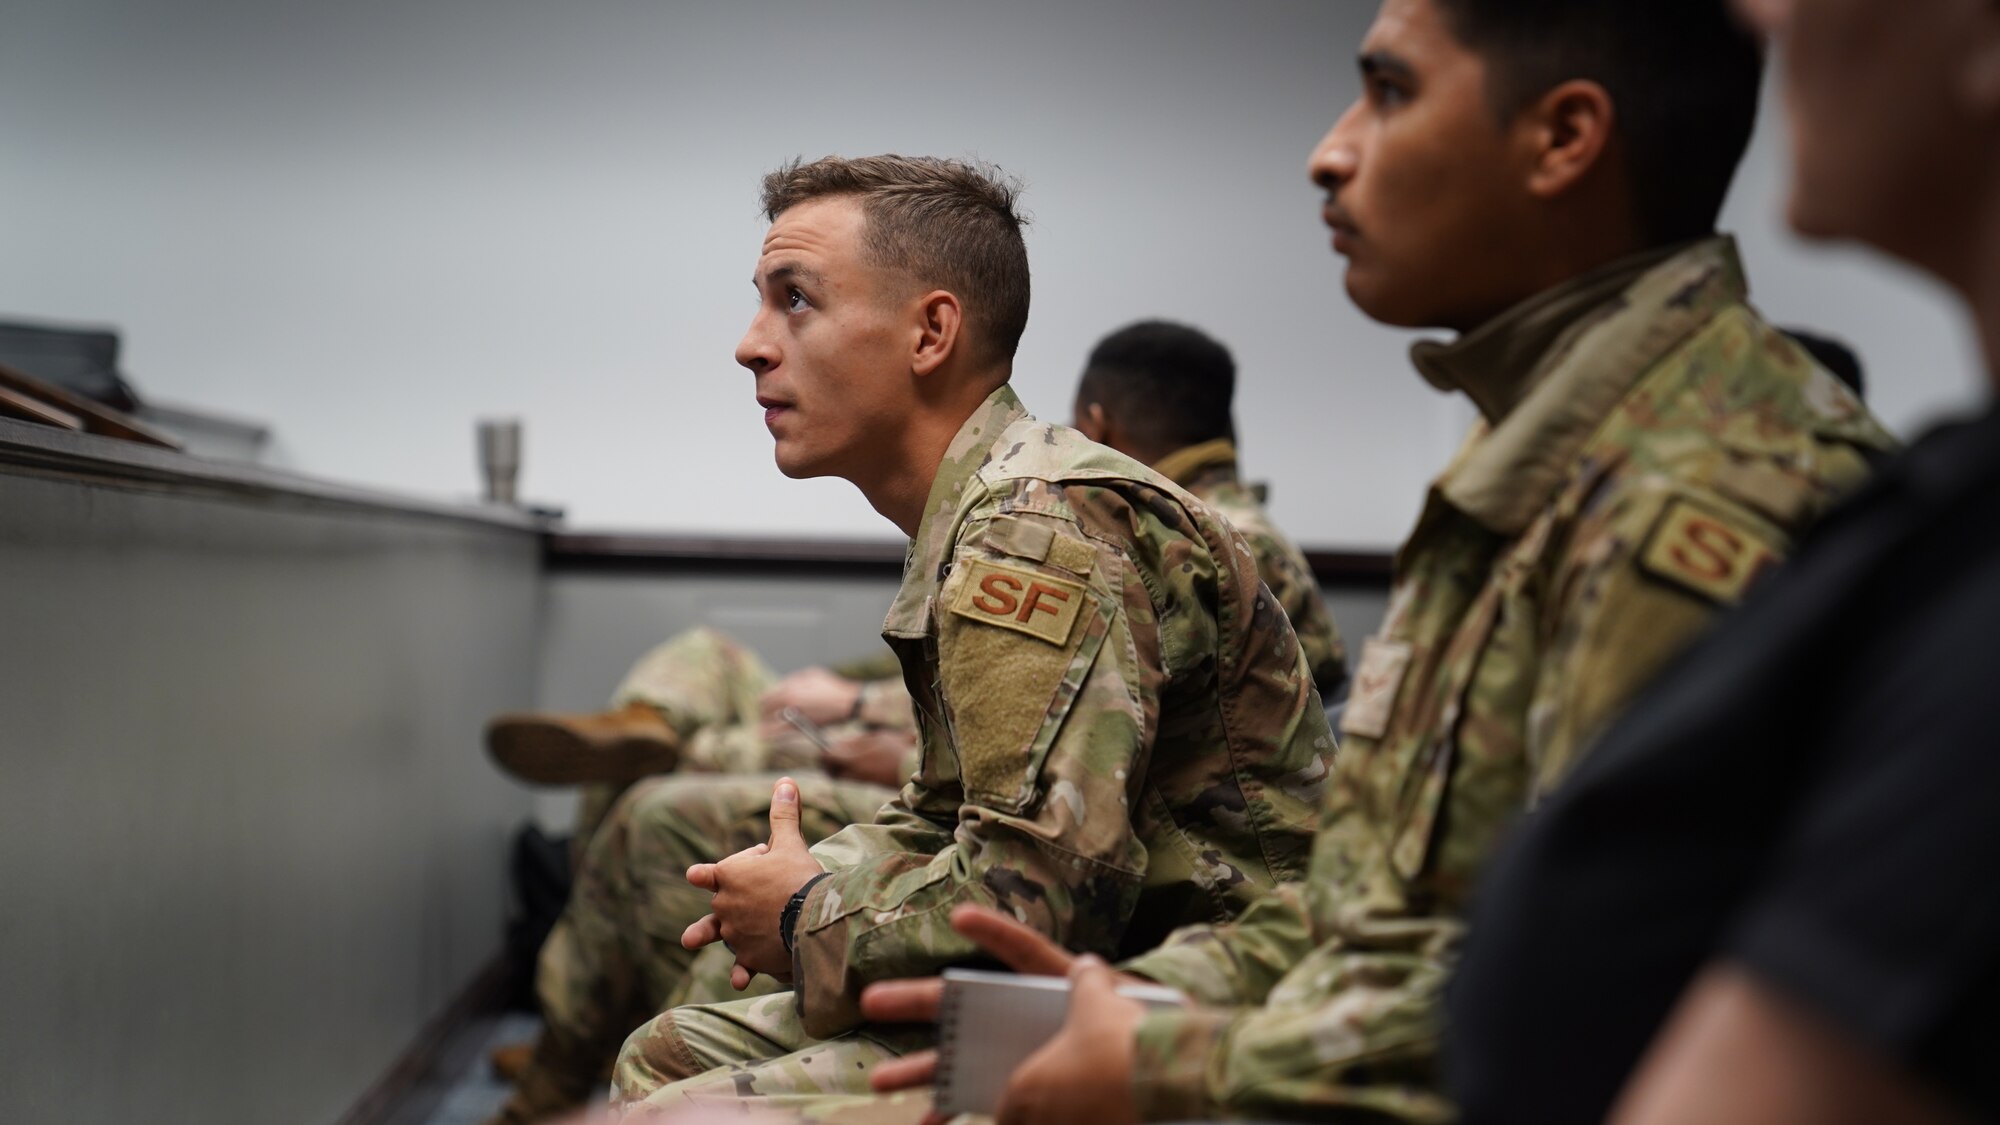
x: 1162, y: 393
x: 1120, y: 732
x: 1158, y: 392
x: 705, y: 707
x: 700, y: 703
x: 1647, y: 447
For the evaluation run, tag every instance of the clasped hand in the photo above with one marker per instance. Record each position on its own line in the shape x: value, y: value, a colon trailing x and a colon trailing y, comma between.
x: 751, y: 889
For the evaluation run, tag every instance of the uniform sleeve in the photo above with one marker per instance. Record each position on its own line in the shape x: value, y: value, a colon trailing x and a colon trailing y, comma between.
x: 1236, y: 962
x: 1208, y: 1062
x: 1049, y: 665
x: 1284, y: 569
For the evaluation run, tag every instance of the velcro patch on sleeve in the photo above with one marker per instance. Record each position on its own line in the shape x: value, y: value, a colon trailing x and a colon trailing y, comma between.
x: 1023, y: 539
x: 1040, y: 605
x: 1075, y: 555
x: 1703, y: 552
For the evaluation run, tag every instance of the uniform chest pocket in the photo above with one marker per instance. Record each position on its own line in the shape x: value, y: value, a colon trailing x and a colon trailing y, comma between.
x: 1428, y: 750
x: 1015, y: 649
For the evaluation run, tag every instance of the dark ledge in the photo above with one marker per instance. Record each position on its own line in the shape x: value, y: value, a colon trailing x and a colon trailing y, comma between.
x: 613, y: 553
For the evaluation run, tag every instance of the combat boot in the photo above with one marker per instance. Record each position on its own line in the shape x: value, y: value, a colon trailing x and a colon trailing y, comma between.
x: 613, y: 746
x: 510, y: 1060
x: 535, y: 1099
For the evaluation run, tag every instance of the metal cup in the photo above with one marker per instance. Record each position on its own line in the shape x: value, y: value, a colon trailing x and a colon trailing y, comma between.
x: 500, y: 458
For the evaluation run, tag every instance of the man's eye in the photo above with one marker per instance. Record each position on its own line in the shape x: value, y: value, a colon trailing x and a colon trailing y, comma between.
x: 796, y: 301
x: 1386, y: 93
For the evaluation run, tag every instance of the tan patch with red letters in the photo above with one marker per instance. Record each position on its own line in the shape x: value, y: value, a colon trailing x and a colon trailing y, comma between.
x: 1705, y: 553
x: 1041, y: 605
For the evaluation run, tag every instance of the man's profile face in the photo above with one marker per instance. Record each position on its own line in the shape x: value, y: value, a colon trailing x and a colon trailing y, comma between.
x: 1422, y: 195
x: 1879, y: 132
x: 828, y: 345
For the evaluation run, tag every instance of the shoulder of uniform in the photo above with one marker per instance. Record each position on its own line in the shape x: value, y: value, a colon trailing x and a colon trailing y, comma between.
x: 1043, y: 532
x: 1741, y: 413
x: 1748, y: 386
x: 1685, y: 534
x: 1035, y: 450
x: 1237, y: 506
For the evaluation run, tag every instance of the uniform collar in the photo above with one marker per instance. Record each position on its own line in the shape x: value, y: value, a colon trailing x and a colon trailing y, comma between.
x: 1184, y: 465
x: 1547, y: 374
x: 970, y: 450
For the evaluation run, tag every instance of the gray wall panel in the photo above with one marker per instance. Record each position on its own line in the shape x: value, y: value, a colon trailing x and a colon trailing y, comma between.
x: 247, y: 841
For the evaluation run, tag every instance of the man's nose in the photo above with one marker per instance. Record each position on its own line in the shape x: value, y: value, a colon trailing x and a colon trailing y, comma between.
x: 755, y: 350
x: 1333, y: 163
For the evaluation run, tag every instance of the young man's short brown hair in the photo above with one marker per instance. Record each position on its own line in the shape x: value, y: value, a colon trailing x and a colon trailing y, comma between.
x: 948, y: 224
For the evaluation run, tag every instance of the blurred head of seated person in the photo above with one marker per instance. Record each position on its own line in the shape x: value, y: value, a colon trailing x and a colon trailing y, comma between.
x: 1767, y: 896
x: 1544, y: 178
x: 1162, y: 393
x: 1119, y: 733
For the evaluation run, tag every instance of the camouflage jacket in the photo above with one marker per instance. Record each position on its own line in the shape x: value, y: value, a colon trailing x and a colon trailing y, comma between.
x: 1120, y: 735
x: 1209, y: 471
x: 1655, y: 448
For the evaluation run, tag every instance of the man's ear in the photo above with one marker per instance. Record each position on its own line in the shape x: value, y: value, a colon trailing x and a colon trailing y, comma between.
x: 1568, y: 131
x: 940, y: 331
x: 1091, y: 423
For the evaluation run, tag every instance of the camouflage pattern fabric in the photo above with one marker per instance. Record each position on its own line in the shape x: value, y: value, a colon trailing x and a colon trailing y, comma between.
x: 1208, y: 471
x: 1120, y: 736
x: 1652, y: 446
x: 615, y: 956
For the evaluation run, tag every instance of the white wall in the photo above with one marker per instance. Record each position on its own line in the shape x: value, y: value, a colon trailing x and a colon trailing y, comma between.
x: 370, y: 222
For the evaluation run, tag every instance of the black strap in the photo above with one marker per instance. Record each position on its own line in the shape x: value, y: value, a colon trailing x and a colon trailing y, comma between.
x: 788, y: 919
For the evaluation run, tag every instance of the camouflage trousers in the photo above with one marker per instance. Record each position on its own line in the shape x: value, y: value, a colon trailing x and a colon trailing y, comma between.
x: 615, y: 956
x: 754, y: 1052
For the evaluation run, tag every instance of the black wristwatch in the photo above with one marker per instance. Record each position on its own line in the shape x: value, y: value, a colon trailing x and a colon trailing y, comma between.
x: 789, y: 917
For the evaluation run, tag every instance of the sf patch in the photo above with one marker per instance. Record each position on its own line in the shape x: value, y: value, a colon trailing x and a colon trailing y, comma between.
x: 1040, y: 605
x: 1700, y: 551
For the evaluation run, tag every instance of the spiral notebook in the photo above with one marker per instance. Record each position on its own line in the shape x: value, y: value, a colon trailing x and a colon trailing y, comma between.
x: 989, y: 1023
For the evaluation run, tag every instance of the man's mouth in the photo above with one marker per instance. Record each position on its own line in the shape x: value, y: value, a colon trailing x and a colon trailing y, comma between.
x: 1341, y: 223
x: 773, y: 407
